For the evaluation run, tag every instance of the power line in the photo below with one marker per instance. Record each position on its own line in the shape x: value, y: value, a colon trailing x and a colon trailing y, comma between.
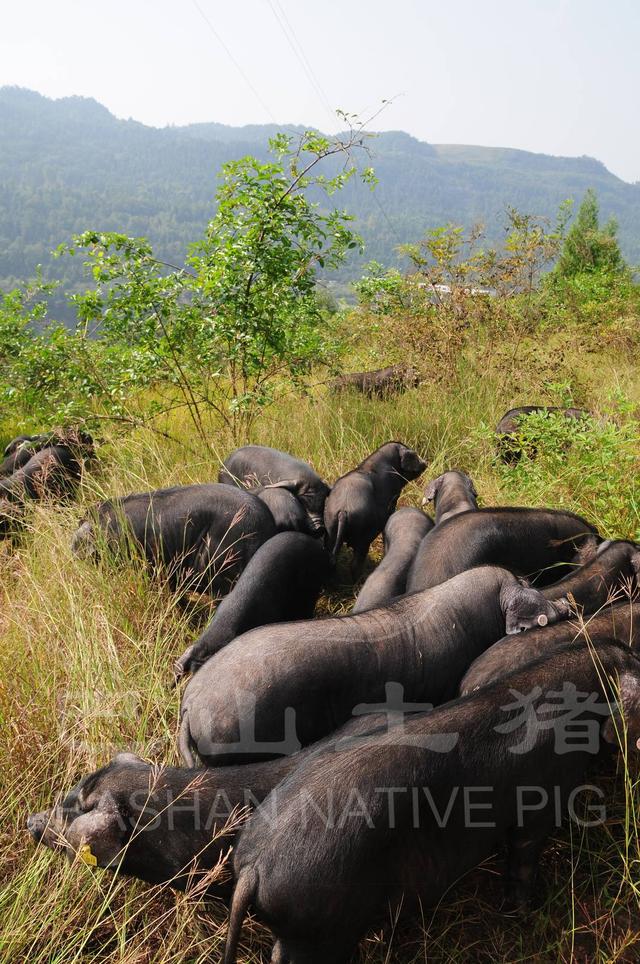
x: 235, y: 63
x: 387, y: 218
x: 298, y: 50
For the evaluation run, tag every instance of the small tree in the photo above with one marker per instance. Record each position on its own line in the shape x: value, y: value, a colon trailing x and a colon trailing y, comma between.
x: 531, y: 243
x: 233, y: 330
x: 589, y: 248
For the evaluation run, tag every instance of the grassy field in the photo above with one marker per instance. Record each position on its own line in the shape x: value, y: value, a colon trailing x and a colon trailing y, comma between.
x: 86, y: 654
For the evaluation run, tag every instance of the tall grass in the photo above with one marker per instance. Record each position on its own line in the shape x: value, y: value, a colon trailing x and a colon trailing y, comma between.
x: 85, y: 667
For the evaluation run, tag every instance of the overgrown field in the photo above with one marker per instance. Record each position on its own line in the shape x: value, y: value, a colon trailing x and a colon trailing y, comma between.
x: 86, y: 654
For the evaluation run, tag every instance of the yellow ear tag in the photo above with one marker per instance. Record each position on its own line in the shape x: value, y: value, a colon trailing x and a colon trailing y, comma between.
x: 86, y: 856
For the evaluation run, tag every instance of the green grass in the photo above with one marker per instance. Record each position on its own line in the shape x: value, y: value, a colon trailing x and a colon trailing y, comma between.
x: 85, y: 665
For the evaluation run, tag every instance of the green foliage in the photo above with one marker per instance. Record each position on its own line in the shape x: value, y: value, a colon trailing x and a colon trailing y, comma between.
x: 591, y: 284
x: 228, y: 334
x: 381, y: 290
x: 457, y: 260
x: 595, y: 460
x: 68, y: 164
x: 36, y: 367
x: 598, y: 301
x: 50, y: 375
x: 458, y: 290
x: 531, y: 244
x: 590, y: 248
x: 255, y: 273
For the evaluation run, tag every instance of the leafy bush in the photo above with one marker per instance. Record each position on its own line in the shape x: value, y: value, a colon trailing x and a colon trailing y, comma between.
x: 589, y: 465
x: 224, y: 336
x: 589, y: 247
x: 457, y: 290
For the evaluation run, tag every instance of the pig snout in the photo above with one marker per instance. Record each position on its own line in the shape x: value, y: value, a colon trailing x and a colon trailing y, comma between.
x: 316, y: 524
x: 83, y: 544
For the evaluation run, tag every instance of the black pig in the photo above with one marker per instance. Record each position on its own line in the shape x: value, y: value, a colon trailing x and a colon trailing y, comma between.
x: 615, y: 567
x: 452, y: 493
x: 52, y: 471
x: 360, y: 502
x: 201, y: 535
x: 20, y: 449
x: 287, y: 510
x: 254, y: 465
x: 380, y: 383
x: 281, y: 582
x: 167, y: 824
x: 621, y: 621
x: 403, y: 534
x: 292, y: 683
x: 401, y: 816
x: 536, y: 543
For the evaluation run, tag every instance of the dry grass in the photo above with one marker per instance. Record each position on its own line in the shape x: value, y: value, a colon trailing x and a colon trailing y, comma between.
x: 85, y: 667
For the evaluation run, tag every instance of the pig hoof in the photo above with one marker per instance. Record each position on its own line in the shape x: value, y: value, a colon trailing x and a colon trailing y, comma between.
x: 179, y: 672
x: 182, y: 666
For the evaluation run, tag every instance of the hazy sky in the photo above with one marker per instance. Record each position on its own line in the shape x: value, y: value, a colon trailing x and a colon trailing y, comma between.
x: 558, y: 76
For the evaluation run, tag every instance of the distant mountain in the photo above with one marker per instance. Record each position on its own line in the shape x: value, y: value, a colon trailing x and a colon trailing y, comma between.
x: 69, y: 165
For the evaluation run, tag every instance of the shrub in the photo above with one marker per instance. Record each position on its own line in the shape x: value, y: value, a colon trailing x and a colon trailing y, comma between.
x: 589, y: 465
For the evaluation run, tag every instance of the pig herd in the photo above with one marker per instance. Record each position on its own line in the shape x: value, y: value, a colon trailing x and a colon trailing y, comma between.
x: 374, y: 757
x: 42, y: 466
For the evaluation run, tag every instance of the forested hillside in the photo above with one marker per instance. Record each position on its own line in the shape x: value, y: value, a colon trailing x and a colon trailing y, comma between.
x: 69, y: 165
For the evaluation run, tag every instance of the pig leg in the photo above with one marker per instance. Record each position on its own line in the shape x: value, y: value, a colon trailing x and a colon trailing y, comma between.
x: 183, y: 665
x: 309, y: 952
x: 360, y: 553
x: 524, y: 847
x: 278, y: 954
x: 194, y: 657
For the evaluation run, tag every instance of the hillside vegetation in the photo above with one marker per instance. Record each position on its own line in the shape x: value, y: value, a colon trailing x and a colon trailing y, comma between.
x: 69, y: 164
x: 87, y: 650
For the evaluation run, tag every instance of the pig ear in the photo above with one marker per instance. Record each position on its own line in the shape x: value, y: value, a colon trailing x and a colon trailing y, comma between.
x: 611, y: 730
x: 588, y: 551
x: 432, y: 490
x: 516, y: 602
x: 562, y: 607
x: 635, y: 562
x: 291, y: 484
x: 472, y: 488
x: 128, y: 759
x: 510, y: 596
x: 99, y: 836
